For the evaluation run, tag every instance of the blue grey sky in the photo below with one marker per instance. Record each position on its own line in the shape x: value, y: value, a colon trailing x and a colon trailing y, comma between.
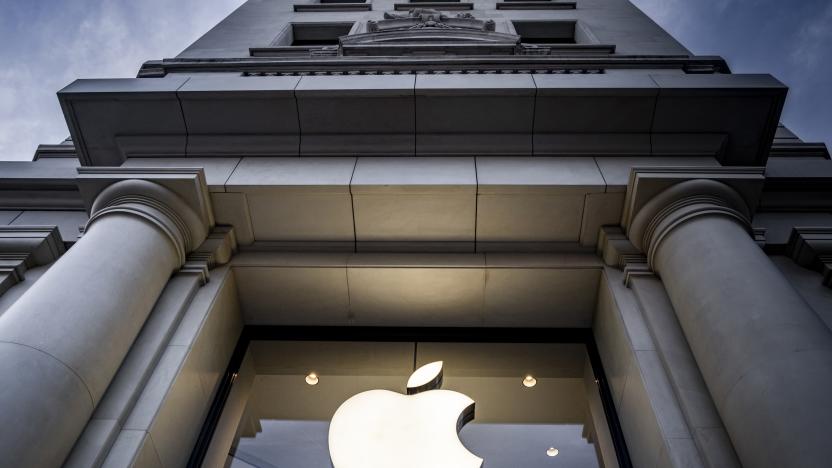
x: 45, y: 44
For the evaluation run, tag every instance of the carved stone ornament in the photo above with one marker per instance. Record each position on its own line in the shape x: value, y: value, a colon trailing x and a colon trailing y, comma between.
x: 421, y: 18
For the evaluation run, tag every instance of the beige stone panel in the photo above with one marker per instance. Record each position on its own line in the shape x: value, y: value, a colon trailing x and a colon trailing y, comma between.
x: 301, y: 214
x: 600, y: 209
x: 540, y: 297
x: 644, y: 440
x: 147, y: 348
x: 529, y: 217
x: 232, y: 209
x: 416, y: 289
x: 293, y: 295
x: 425, y: 217
x: 613, y: 344
x: 172, y: 407
x: 217, y: 338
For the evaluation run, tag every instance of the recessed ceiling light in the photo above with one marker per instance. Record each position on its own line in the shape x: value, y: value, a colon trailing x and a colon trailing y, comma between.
x: 312, y: 378
x: 552, y: 452
x: 529, y: 381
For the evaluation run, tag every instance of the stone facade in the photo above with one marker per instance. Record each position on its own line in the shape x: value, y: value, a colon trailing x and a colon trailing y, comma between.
x: 538, y: 164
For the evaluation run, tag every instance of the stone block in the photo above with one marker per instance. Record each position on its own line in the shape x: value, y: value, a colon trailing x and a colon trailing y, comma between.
x: 236, y: 115
x: 593, y: 114
x: 414, y: 200
x: 474, y: 114
x: 416, y: 289
x: 600, y: 209
x: 616, y: 170
x: 217, y: 169
x: 533, y: 199
x: 745, y: 108
x: 526, y: 292
x: 350, y: 115
x: 297, y: 199
x: 113, y: 119
x: 293, y: 288
x: 232, y: 209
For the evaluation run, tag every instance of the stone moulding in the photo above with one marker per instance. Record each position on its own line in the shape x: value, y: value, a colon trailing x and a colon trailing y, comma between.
x: 330, y: 7
x: 25, y: 247
x: 647, y: 182
x: 158, y: 126
x: 175, y: 200
x: 260, y: 61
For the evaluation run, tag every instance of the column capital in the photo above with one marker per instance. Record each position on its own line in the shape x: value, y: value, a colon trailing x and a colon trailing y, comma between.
x: 175, y: 201
x: 681, y: 203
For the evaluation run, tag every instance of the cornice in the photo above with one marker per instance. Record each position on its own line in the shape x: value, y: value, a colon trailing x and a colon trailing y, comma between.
x: 25, y: 247
x: 387, y: 65
x: 811, y: 247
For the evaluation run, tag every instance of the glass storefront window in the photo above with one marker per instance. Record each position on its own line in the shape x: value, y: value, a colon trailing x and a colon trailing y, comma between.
x: 536, y: 404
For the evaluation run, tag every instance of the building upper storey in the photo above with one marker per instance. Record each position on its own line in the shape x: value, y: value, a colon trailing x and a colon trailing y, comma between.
x: 616, y: 24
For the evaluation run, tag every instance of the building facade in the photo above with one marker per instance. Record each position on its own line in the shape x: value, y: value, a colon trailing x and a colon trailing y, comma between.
x: 612, y: 244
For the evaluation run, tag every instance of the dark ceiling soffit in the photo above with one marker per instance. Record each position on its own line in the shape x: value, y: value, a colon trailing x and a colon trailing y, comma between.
x: 690, y: 64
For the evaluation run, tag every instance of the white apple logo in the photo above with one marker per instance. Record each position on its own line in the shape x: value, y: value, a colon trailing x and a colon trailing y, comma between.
x: 384, y: 429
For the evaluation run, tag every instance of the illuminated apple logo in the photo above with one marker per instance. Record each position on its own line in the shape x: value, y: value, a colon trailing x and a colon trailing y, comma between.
x: 384, y: 429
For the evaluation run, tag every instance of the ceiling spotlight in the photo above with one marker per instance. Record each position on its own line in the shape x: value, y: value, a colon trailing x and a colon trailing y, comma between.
x: 312, y: 378
x: 529, y: 381
x: 552, y: 452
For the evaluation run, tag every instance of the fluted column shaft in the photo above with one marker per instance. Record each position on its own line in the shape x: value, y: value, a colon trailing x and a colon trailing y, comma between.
x: 63, y: 341
x: 765, y: 355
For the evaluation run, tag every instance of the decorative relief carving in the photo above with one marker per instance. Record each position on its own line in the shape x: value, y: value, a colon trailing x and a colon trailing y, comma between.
x: 421, y: 18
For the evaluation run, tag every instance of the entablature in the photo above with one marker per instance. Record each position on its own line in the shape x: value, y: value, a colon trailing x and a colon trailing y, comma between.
x: 730, y: 117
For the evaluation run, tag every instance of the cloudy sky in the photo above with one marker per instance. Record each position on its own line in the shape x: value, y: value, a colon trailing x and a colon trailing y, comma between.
x: 45, y: 44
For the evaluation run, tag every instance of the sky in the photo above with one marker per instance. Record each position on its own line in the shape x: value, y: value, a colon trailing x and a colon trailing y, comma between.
x: 46, y: 44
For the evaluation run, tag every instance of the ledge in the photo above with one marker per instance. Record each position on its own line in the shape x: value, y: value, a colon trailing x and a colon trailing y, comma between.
x: 536, y: 5
x: 730, y: 117
x: 327, y: 7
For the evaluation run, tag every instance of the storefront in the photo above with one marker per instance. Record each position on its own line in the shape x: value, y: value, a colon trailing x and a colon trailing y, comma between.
x: 541, y: 398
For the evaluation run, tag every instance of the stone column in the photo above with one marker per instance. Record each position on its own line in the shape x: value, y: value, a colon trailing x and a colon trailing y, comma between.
x: 765, y: 355
x: 65, y: 338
